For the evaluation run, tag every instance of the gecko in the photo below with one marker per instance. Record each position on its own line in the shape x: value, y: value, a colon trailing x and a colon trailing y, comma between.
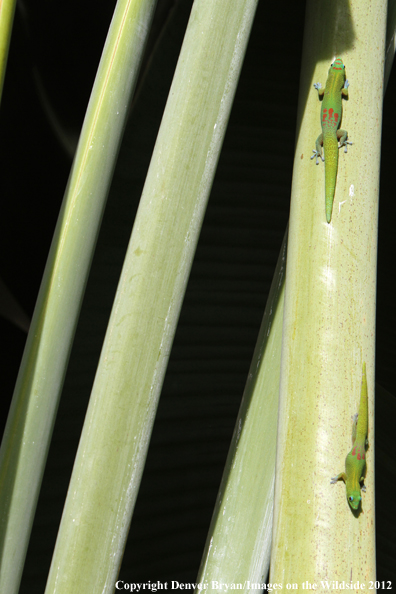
x: 355, y: 462
x: 330, y: 118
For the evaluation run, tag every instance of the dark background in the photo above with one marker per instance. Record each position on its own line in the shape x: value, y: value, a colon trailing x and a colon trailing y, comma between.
x: 54, y: 54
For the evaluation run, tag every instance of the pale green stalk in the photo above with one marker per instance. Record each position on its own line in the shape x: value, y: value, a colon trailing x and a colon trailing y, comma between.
x: 329, y: 312
x: 29, y: 427
x: 7, y: 10
x: 118, y: 424
x: 219, y: 556
x: 238, y: 544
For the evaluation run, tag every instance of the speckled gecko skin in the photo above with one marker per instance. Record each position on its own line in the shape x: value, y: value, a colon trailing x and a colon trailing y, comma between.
x: 330, y: 119
x: 355, y: 462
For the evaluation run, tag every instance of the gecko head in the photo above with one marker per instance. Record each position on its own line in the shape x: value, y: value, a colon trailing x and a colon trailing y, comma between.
x: 337, y: 66
x: 354, y: 499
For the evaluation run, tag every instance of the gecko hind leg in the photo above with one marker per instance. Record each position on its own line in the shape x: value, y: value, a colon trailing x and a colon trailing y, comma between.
x: 317, y: 152
x: 342, y: 136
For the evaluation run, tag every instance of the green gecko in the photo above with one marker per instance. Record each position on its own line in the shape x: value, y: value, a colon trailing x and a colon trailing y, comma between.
x: 330, y: 119
x: 355, y: 462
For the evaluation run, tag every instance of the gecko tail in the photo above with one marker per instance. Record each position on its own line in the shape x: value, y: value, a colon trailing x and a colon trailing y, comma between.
x: 331, y: 166
x: 329, y: 204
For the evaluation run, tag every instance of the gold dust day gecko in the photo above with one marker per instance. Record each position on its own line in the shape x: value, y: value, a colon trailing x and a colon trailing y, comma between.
x: 355, y: 462
x: 330, y: 118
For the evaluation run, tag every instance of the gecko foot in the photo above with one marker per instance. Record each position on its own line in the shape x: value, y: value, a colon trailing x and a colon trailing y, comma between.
x: 317, y: 154
x: 344, y: 143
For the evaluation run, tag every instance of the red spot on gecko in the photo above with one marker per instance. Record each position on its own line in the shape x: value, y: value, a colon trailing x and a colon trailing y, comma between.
x: 354, y: 451
x: 330, y: 115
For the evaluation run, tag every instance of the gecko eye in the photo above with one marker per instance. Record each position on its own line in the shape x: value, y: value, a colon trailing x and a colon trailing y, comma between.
x: 350, y: 498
